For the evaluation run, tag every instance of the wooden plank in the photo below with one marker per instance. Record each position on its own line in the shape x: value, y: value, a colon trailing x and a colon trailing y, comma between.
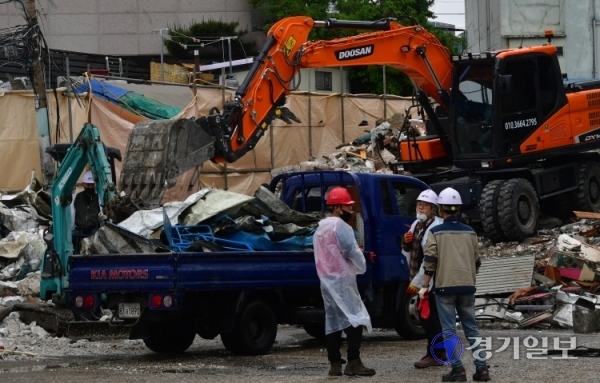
x: 586, y: 214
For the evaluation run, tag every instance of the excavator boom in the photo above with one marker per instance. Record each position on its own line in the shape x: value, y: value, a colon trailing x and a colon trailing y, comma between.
x: 159, y: 151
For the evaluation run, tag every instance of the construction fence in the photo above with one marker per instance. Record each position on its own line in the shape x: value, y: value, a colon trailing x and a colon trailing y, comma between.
x: 328, y: 120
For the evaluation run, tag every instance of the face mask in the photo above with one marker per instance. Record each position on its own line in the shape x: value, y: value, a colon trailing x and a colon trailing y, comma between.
x: 89, y: 191
x: 422, y: 217
x: 345, y: 216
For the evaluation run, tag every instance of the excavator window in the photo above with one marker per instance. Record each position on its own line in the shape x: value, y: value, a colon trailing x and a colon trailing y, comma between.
x: 548, y: 84
x: 473, y: 108
x: 520, y: 113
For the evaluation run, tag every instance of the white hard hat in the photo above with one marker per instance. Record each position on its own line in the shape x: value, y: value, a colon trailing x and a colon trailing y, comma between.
x: 88, y: 178
x: 449, y: 197
x: 428, y: 196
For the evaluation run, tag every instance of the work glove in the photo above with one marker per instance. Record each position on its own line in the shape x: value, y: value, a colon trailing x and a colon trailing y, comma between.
x: 423, y: 307
x: 412, y: 290
x: 102, y: 217
x: 423, y: 292
x: 408, y: 237
x: 372, y: 256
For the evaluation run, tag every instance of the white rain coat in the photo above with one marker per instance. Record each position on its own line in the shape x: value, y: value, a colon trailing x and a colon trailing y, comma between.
x: 339, y: 259
x: 418, y: 279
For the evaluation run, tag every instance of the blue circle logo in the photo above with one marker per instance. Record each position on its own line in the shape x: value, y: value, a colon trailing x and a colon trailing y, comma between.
x: 450, y: 343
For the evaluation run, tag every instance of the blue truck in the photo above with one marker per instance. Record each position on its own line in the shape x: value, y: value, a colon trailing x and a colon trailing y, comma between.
x: 167, y: 298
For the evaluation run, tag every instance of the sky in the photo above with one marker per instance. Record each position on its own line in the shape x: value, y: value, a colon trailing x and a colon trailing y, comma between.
x: 450, y: 11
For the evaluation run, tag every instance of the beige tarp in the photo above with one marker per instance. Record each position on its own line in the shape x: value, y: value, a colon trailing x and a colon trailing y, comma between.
x: 317, y: 135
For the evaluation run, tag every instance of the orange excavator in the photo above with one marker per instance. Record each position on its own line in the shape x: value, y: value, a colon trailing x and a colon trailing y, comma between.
x: 512, y: 134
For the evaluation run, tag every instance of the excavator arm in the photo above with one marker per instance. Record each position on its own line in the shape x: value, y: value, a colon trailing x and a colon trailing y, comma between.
x: 87, y: 149
x: 159, y: 151
x: 273, y: 75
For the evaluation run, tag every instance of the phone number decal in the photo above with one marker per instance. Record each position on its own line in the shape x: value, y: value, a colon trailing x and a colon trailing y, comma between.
x: 520, y: 123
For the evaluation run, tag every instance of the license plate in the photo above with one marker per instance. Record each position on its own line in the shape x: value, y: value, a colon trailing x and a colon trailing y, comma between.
x: 129, y: 310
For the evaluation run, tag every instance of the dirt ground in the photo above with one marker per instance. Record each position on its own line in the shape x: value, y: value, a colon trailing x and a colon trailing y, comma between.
x: 296, y: 357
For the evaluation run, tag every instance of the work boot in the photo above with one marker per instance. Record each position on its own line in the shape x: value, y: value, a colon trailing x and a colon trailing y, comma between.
x: 355, y: 367
x: 427, y: 361
x: 335, y: 369
x: 456, y: 375
x: 482, y: 374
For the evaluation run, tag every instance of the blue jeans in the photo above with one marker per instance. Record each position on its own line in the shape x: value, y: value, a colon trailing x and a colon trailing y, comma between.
x: 448, y: 306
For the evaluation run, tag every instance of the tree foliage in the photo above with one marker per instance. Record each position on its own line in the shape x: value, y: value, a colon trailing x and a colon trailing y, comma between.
x: 362, y: 79
x: 183, y: 40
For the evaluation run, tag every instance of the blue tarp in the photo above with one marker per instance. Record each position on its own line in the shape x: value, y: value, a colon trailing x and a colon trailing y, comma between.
x: 132, y: 101
x: 104, y: 90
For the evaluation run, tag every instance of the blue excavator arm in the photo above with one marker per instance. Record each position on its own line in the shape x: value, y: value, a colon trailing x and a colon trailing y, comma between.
x: 87, y: 149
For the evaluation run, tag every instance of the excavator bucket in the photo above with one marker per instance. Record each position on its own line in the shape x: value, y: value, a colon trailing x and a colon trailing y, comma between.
x: 159, y: 151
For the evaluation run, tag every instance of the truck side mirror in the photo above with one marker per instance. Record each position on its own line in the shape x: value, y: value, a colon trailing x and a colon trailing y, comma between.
x: 504, y: 84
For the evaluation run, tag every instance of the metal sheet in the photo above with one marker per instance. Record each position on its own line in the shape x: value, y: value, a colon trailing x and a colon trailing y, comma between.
x: 504, y: 275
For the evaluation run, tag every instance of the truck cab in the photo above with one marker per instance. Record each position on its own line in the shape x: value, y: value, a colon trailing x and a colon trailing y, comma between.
x: 385, y: 207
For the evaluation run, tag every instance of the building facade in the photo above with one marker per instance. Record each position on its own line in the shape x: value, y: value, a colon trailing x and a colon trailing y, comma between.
x: 497, y: 24
x: 124, y: 27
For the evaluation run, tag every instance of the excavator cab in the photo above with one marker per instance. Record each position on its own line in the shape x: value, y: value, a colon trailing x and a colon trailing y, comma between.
x: 500, y: 101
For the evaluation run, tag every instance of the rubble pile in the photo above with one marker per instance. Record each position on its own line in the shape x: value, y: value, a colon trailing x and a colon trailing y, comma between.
x: 371, y: 153
x: 565, y: 282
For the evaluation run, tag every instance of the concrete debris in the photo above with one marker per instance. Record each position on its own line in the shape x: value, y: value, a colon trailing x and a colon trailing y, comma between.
x: 564, y: 291
x: 20, y: 253
x: 371, y: 153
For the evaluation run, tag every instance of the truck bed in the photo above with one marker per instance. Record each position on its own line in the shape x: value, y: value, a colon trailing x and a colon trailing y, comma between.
x: 192, y: 271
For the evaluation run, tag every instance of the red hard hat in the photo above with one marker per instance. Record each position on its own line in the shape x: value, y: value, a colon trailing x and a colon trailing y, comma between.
x: 339, y: 196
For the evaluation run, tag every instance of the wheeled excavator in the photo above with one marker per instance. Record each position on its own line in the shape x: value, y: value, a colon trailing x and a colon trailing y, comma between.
x: 510, y: 134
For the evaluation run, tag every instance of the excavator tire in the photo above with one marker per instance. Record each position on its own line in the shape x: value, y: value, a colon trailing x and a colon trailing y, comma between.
x: 488, y: 211
x: 587, y: 195
x: 518, y: 209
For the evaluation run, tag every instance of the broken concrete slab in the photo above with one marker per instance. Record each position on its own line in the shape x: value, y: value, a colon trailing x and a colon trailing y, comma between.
x: 213, y: 203
x: 145, y: 222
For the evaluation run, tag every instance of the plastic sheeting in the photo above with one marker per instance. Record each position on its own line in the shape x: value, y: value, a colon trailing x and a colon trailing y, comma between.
x: 289, y: 144
x: 137, y: 102
x: 339, y: 260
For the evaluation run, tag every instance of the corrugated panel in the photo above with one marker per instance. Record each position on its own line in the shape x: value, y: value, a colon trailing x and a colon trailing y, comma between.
x: 504, y: 275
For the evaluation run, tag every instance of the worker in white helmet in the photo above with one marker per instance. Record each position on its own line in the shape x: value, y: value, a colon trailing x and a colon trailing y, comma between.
x: 451, y: 254
x: 87, y: 210
x: 413, y: 242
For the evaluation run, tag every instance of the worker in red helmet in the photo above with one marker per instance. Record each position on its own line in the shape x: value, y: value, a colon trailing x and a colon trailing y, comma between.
x: 338, y: 260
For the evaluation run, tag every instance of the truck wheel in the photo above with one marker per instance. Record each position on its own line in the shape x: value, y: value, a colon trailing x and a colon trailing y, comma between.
x: 518, y: 209
x: 207, y: 333
x: 316, y: 330
x: 587, y: 195
x: 254, y: 332
x: 488, y: 211
x: 170, y: 338
x: 408, y: 325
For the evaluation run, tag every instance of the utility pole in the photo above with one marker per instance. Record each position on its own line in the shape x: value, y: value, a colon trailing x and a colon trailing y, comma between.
x: 39, y: 88
x: 162, y: 48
